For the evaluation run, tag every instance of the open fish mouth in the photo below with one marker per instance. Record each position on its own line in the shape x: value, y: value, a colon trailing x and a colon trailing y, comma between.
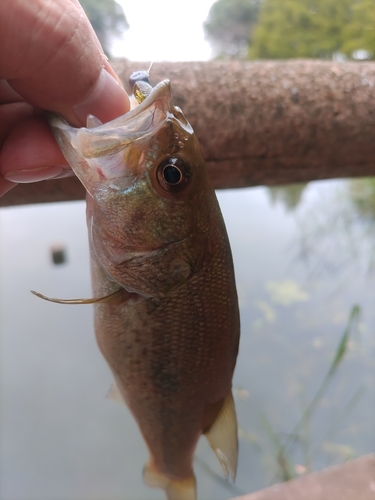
x: 98, y: 139
x: 102, y: 153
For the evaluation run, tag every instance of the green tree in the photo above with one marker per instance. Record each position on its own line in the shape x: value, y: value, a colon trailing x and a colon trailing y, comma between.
x: 359, y: 34
x: 312, y: 28
x: 108, y: 20
x: 229, y: 26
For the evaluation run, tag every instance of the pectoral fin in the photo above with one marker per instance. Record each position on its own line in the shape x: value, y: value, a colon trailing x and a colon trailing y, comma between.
x: 116, y: 297
x: 175, y: 489
x: 222, y: 436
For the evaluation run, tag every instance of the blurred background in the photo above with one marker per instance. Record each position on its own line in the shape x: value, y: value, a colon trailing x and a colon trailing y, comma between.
x: 304, y: 257
x: 234, y: 29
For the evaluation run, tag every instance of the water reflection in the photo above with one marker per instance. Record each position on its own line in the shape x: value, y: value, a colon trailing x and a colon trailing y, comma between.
x: 362, y: 195
x: 336, y: 230
x: 298, y: 280
x: 290, y: 195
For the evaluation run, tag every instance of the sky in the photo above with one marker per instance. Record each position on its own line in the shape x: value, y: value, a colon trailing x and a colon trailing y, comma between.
x: 164, y: 30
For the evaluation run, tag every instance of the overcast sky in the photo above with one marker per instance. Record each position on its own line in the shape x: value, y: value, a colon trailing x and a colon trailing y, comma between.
x: 169, y: 30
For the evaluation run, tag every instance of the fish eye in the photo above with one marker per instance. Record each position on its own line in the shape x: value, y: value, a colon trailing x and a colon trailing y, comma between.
x: 173, y: 175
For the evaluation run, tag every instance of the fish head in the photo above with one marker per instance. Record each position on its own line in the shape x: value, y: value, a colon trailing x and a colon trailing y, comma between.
x: 149, y: 197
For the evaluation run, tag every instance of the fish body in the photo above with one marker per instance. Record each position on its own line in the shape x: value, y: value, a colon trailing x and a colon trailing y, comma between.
x: 166, y: 313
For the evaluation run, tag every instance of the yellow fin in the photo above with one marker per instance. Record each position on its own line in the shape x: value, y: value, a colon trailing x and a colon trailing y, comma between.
x: 175, y: 489
x: 114, y: 394
x: 222, y: 436
x: 111, y: 298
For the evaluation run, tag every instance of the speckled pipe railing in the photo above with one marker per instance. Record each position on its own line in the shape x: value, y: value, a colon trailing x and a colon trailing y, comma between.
x: 267, y: 123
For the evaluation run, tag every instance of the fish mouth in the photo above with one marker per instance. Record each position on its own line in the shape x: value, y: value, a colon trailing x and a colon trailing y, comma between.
x: 110, y: 152
x: 109, y: 138
x: 139, y: 123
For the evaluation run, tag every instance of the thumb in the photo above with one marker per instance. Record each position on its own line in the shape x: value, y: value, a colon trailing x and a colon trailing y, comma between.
x: 51, y: 56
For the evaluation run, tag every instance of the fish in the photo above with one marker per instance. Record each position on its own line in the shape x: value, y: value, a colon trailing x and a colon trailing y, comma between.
x: 165, y: 304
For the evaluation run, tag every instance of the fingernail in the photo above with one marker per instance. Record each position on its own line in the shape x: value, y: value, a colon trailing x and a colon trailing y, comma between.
x: 5, y: 186
x: 67, y: 172
x: 107, y: 101
x: 34, y: 174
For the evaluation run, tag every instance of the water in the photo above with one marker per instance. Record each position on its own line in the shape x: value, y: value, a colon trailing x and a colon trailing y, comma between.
x: 303, y: 257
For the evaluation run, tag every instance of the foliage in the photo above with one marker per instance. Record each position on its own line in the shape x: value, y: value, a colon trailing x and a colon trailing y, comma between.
x: 107, y: 19
x: 359, y: 34
x: 299, y: 28
x: 314, y: 28
x: 229, y: 26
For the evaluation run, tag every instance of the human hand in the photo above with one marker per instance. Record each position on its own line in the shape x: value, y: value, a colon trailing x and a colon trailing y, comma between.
x: 50, y: 59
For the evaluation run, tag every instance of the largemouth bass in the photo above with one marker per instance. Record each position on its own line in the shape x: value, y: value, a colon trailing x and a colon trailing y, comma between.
x: 166, y: 313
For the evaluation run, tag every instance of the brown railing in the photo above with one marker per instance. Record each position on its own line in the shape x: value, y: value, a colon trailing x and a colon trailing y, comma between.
x: 261, y: 122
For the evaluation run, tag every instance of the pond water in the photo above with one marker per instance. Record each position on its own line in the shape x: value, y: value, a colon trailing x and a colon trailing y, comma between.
x: 305, y: 263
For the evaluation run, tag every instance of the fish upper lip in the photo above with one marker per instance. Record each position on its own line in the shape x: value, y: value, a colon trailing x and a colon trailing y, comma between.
x: 156, y: 93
